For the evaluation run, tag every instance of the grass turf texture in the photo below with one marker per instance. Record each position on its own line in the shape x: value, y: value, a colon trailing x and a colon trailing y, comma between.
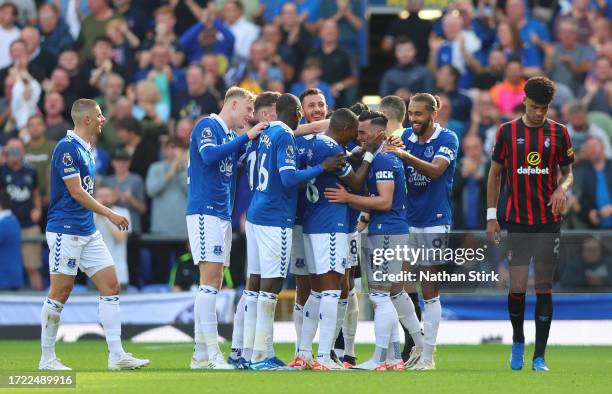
x: 469, y: 369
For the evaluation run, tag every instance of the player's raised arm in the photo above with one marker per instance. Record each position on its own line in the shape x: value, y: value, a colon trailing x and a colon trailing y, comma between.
x: 382, y: 202
x: 318, y: 126
x: 211, y: 147
x: 355, y: 179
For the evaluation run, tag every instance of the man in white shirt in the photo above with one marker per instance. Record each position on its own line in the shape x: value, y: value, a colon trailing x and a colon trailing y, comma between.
x: 8, y: 32
x: 115, y: 240
x: 244, y: 31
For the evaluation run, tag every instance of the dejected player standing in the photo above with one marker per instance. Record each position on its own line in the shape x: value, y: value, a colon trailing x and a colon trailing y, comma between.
x: 531, y: 151
x: 74, y: 242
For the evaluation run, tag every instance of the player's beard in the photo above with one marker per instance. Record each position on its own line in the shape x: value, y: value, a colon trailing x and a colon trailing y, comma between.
x: 423, y: 127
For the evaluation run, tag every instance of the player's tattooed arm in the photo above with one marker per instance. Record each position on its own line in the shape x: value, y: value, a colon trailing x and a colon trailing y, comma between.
x: 493, y: 187
x: 312, y: 128
x: 433, y: 170
x: 73, y: 184
x: 558, y: 199
x: 382, y: 202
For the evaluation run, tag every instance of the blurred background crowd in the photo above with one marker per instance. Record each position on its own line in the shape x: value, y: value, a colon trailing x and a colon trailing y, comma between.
x: 155, y: 66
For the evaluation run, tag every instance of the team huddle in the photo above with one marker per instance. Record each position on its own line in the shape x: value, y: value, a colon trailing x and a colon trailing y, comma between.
x: 321, y: 191
x: 316, y: 188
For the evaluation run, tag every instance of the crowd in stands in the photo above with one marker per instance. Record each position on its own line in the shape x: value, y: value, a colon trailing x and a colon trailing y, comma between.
x: 156, y: 66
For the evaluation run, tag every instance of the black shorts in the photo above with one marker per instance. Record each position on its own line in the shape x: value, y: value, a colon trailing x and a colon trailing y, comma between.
x: 539, y: 241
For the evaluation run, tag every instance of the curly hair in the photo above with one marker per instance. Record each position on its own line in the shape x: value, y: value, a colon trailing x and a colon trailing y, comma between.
x: 540, y: 90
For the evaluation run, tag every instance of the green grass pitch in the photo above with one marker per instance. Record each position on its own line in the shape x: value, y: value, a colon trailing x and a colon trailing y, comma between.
x: 460, y: 369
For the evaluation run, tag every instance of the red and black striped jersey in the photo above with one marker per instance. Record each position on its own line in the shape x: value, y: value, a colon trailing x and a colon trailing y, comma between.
x: 531, y: 157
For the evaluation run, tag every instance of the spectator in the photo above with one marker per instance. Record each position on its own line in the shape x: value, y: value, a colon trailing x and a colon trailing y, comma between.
x: 95, y: 70
x: 183, y: 130
x: 483, y: 28
x: 244, y: 31
x: 413, y: 26
x: 484, y: 120
x: 295, y: 34
x: 38, y: 56
x: 112, y: 89
x: 407, y: 76
x: 493, y: 73
x: 596, y: 186
x: 447, y: 119
x: 26, y: 11
x: 129, y: 188
x: 592, y: 272
x: 210, y: 35
x: 579, y: 129
x: 122, y: 109
x: 460, y: 44
x: 161, y: 72
x: 38, y: 153
x: 8, y: 32
x: 394, y: 108
x: 257, y: 74
x: 24, y: 97
x: 124, y: 44
x: 21, y: 184
x: 510, y: 42
x: 100, y: 156
x: 446, y: 82
x: 149, y: 107
x: 56, y: 124
x: 135, y: 15
x: 338, y: 67
x: 143, y: 151
x: 94, y: 25
x: 115, y: 239
x: 311, y: 78
x: 349, y: 15
x: 11, y: 268
x: 21, y: 63
x: 283, y: 56
x: 596, y: 92
x: 166, y: 185
x: 470, y: 186
x: 214, y: 80
x: 531, y: 30
x: 580, y: 12
x: 508, y: 94
x: 55, y: 34
x: 196, y: 100
x: 61, y: 83
x: 163, y: 34
x: 253, y: 9
x: 602, y: 32
x: 568, y: 61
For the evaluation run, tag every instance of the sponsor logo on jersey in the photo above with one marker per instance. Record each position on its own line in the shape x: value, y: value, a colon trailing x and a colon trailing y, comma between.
x: 570, y: 151
x: 416, y: 178
x: 88, y: 185
x: 445, y: 150
x: 384, y: 175
x: 532, y: 171
x: 534, y: 158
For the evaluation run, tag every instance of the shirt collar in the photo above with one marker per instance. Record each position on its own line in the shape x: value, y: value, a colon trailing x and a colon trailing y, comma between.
x: 81, y: 141
x: 221, y: 122
x: 281, y: 124
x: 414, y: 138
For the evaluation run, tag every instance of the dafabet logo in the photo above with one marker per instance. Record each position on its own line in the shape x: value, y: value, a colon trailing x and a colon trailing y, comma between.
x: 533, y: 159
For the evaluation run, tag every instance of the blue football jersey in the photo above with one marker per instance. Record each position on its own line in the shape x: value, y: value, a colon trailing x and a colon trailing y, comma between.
x: 273, y: 204
x: 249, y: 161
x: 71, y: 157
x: 322, y: 216
x: 211, y: 188
x: 429, y: 201
x: 302, y: 144
x: 353, y: 213
x: 388, y: 168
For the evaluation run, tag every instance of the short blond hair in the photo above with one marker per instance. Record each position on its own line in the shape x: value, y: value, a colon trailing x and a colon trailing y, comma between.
x: 237, y: 92
x: 81, y: 108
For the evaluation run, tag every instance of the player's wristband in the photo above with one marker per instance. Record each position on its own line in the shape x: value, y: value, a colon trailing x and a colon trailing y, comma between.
x: 491, y: 214
x: 369, y: 157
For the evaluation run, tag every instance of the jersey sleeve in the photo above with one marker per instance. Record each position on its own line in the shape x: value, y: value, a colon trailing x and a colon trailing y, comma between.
x: 66, y: 160
x: 285, y: 153
x: 566, y: 153
x: 448, y: 147
x: 383, y: 170
x: 500, y: 150
x: 205, y: 135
